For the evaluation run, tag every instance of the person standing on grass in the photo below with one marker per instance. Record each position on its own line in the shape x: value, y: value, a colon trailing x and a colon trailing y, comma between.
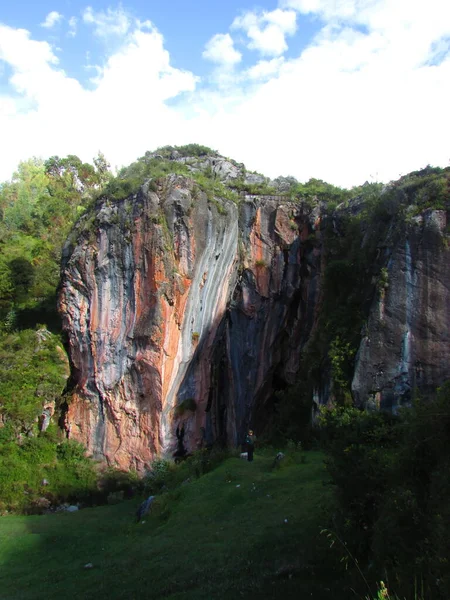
x: 250, y: 443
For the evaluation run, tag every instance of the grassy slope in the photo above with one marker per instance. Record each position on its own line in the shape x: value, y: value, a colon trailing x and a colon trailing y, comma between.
x: 208, y: 539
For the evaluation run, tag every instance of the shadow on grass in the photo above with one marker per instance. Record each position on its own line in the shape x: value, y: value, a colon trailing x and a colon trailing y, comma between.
x: 239, y: 531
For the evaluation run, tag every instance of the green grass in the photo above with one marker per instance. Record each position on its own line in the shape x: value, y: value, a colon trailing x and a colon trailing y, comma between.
x: 206, y: 539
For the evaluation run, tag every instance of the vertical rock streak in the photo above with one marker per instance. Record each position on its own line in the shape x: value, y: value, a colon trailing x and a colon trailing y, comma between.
x: 405, y: 363
x: 204, y: 310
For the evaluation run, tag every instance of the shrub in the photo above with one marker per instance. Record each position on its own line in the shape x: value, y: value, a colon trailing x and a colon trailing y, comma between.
x: 69, y: 473
x: 159, y: 475
x: 32, y: 371
x: 391, y: 476
x: 71, y: 451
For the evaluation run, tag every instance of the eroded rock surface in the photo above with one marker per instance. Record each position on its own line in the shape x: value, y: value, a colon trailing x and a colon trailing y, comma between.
x: 145, y: 301
x: 405, y: 348
x: 185, y: 311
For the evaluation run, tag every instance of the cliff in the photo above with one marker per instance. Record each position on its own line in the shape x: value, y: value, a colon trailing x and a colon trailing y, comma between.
x: 186, y: 307
x: 405, y: 348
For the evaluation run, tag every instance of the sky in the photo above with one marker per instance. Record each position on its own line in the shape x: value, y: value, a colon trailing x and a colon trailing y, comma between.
x: 346, y: 91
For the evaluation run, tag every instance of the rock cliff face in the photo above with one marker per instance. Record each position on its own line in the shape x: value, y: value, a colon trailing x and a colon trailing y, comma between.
x: 153, y: 338
x: 187, y: 311
x: 406, y: 345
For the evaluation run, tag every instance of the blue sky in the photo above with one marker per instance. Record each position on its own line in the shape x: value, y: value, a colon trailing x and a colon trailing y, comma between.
x: 343, y: 90
x: 185, y: 25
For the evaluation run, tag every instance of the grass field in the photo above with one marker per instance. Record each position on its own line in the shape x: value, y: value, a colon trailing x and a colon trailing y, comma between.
x: 241, y: 531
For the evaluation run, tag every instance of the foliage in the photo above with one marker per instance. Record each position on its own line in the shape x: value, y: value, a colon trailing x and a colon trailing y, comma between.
x: 189, y: 404
x: 38, y: 208
x: 39, y: 469
x: 318, y: 190
x: 341, y: 355
x: 33, y: 371
x: 187, y: 150
x: 166, y: 475
x: 426, y: 188
x: 392, y: 489
x: 115, y: 481
x: 383, y: 281
x: 129, y: 179
x: 215, y: 189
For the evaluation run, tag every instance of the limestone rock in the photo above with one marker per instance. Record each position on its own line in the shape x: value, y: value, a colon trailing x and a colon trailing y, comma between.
x: 163, y: 304
x: 184, y: 313
x: 255, y: 179
x: 406, y: 346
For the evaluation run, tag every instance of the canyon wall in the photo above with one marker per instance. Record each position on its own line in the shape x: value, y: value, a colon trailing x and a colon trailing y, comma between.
x: 185, y: 312
x: 154, y: 288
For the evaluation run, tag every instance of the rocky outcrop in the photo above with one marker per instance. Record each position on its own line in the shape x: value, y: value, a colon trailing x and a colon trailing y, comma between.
x: 185, y: 311
x: 145, y: 301
x: 405, y: 348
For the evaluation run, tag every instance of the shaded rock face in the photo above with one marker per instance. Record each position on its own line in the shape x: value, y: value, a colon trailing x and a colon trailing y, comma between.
x: 175, y: 311
x: 270, y: 315
x: 405, y: 347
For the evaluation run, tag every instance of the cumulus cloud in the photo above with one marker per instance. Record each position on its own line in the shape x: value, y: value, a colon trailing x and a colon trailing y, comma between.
x: 267, y: 31
x: 368, y: 96
x: 125, y: 114
x: 265, y: 69
x: 51, y: 19
x: 220, y: 49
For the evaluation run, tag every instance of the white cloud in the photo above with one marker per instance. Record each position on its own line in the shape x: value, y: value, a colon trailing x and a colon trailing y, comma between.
x: 220, y: 49
x: 368, y: 96
x: 125, y: 114
x: 52, y: 19
x: 265, y: 69
x: 72, y: 27
x: 357, y: 102
x: 112, y: 22
x: 267, y: 31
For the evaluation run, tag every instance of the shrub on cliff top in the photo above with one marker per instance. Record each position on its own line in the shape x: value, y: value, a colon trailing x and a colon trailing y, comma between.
x: 186, y: 150
x: 131, y: 178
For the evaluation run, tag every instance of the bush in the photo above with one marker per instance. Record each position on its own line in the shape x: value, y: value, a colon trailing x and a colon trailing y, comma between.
x: 71, y: 451
x: 391, y: 477
x: 159, y: 475
x: 32, y: 372
x: 23, y: 468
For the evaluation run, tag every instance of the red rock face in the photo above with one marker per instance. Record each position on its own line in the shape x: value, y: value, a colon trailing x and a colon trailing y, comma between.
x: 144, y: 299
